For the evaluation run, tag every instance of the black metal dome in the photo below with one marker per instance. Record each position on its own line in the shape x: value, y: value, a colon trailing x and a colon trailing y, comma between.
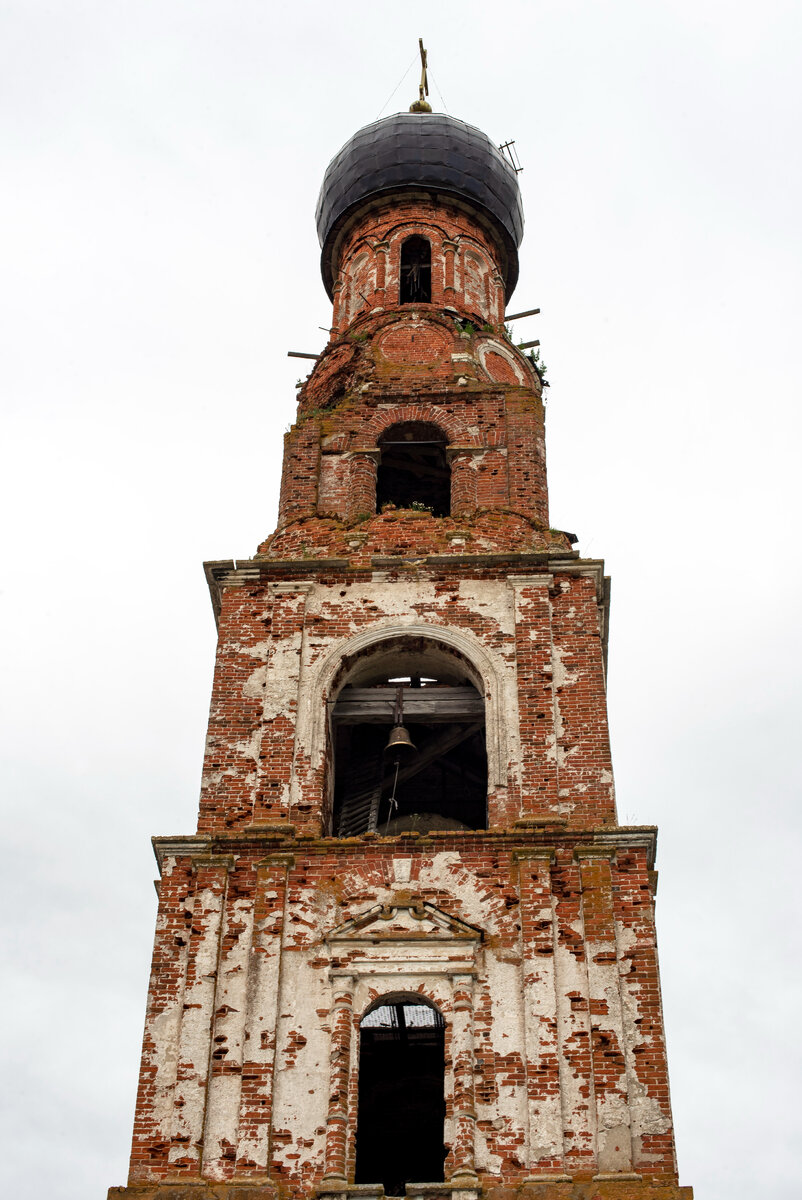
x: 422, y: 150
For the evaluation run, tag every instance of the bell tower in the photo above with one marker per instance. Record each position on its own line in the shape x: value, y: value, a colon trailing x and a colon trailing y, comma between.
x: 409, y: 950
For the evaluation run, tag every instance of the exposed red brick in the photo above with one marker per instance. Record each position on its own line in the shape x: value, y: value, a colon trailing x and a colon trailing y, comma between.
x: 556, y: 1081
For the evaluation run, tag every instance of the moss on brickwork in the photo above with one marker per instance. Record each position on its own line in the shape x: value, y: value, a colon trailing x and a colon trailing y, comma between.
x: 401, y: 531
x: 419, y: 367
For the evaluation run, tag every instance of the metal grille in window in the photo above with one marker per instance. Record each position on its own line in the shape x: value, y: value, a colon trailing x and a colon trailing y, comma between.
x: 415, y: 1016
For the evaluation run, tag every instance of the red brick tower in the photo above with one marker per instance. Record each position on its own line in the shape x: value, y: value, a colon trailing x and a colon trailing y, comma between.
x: 423, y: 969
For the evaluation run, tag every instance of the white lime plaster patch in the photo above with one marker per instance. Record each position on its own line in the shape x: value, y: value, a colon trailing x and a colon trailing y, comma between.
x: 249, y: 748
x: 283, y: 668
x: 485, y: 1160
x: 163, y: 1032
x: 249, y: 649
x: 255, y: 684
x: 561, y: 676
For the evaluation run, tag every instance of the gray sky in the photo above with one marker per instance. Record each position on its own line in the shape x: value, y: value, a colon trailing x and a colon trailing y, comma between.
x: 162, y: 161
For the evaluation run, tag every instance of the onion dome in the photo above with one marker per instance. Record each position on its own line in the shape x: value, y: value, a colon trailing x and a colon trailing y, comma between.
x: 415, y: 151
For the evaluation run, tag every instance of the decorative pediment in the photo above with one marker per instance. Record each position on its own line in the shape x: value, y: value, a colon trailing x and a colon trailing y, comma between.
x: 404, y: 923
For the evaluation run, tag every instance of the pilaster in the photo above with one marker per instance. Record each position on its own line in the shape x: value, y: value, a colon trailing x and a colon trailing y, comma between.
x: 608, y: 1048
x: 539, y: 988
x: 342, y: 1024
x: 261, y: 1013
x: 192, y: 1070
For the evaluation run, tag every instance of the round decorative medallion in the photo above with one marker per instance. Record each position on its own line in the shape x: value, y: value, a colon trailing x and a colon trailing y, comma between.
x: 411, y: 344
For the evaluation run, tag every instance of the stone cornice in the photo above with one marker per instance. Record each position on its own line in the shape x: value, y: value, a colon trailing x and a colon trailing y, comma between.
x: 223, y: 573
x: 274, y: 839
x: 232, y: 573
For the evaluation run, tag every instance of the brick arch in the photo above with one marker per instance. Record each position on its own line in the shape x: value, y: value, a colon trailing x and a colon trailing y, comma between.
x: 390, y: 234
x: 455, y: 429
x: 423, y: 225
x: 361, y: 242
x: 414, y: 224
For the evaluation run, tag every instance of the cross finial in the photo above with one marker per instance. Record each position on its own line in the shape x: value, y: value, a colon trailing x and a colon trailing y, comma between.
x: 421, y: 105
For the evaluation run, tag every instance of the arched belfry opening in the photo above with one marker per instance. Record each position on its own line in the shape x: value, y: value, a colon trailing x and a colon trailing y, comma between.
x: 434, y: 775
x: 416, y: 271
x: 413, y: 470
x: 401, y: 1107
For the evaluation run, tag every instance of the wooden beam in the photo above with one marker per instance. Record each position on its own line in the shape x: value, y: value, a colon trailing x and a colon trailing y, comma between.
x: 530, y: 312
x: 424, y: 705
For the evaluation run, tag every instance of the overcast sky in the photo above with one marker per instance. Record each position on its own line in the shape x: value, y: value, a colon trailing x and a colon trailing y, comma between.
x: 159, y: 257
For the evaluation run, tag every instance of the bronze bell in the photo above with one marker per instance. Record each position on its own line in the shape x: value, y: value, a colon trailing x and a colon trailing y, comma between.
x: 399, y: 739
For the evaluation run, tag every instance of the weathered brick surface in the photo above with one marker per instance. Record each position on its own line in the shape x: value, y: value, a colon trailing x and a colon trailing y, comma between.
x: 541, y: 628
x: 578, y: 1188
x: 534, y: 937
x: 560, y: 920
x: 493, y: 427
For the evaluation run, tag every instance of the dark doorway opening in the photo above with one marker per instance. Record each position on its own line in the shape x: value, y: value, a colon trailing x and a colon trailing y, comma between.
x: 413, y: 471
x: 399, y: 1134
x: 441, y: 784
x: 416, y: 271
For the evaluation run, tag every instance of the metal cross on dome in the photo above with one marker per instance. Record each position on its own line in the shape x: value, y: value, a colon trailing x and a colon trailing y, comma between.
x: 421, y: 105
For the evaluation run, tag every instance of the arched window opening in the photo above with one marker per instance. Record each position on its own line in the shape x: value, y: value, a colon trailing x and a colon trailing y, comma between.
x: 413, y: 471
x: 416, y: 271
x: 399, y: 1133
x: 442, y: 782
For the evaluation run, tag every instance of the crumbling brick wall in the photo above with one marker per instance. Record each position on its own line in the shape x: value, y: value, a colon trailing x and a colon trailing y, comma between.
x: 534, y: 937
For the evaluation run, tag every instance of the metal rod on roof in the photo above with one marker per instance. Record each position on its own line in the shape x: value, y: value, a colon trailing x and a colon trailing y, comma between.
x: 530, y: 312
